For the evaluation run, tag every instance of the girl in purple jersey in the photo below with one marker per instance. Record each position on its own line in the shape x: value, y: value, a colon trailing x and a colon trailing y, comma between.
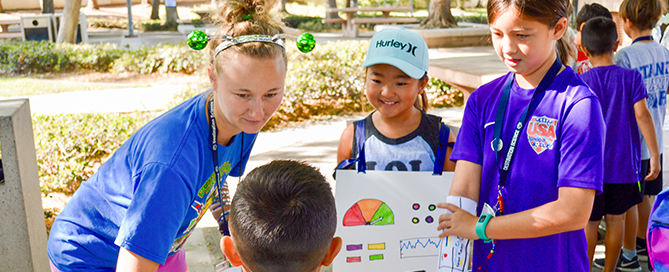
x: 530, y: 149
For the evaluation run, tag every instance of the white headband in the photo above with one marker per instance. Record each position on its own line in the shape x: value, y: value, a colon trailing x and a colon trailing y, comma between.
x: 230, y: 41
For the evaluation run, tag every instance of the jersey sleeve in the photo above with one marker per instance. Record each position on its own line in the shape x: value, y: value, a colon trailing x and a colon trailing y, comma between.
x: 639, y: 87
x: 582, y: 146
x: 160, y: 202
x: 468, y: 145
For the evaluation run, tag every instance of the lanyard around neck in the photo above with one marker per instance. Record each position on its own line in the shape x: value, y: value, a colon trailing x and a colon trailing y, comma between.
x: 213, y: 130
x: 643, y: 38
x: 499, y: 119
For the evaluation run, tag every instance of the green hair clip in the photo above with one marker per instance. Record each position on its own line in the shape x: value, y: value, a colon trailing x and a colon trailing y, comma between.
x: 248, y: 16
x: 198, y: 40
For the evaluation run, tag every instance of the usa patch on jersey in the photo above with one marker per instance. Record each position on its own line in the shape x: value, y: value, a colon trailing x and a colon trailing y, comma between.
x: 541, y: 133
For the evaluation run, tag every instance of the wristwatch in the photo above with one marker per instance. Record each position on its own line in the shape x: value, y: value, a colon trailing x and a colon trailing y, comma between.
x: 481, y: 225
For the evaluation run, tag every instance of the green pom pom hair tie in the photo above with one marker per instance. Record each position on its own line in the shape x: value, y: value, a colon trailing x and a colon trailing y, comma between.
x: 198, y: 40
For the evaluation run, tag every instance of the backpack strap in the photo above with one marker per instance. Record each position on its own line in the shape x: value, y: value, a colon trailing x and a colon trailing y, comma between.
x: 360, y: 145
x: 440, y: 158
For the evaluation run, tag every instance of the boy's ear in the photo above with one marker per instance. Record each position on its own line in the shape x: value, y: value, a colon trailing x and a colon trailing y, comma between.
x: 617, y: 45
x: 334, y: 249
x: 581, y: 27
x: 586, y: 52
x: 230, y: 251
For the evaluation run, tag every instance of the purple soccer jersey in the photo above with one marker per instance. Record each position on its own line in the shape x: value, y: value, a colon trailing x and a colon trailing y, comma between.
x: 561, y: 145
x: 618, y: 90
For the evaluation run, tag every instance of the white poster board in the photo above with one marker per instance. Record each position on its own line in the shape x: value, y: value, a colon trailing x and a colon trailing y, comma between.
x: 388, y: 222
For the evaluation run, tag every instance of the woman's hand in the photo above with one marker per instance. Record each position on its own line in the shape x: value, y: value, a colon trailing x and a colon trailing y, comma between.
x: 458, y: 223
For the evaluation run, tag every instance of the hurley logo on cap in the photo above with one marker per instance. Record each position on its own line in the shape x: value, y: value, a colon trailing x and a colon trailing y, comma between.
x: 397, y: 44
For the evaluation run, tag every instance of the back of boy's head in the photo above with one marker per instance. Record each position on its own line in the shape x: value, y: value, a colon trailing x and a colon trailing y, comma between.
x: 589, y: 11
x: 283, y: 217
x: 599, y: 36
x: 644, y: 14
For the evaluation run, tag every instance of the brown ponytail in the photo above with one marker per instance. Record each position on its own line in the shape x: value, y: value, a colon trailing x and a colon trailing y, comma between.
x: 249, y: 17
x: 564, y: 50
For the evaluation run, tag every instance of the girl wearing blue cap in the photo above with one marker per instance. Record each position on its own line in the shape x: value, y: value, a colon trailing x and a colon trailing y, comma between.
x: 398, y: 135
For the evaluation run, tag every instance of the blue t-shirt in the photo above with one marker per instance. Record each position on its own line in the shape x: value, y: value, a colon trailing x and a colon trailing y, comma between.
x: 652, y: 61
x: 618, y: 90
x: 561, y: 145
x: 149, y: 195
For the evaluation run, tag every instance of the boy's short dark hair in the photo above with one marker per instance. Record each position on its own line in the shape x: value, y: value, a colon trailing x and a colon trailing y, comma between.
x: 644, y: 14
x: 589, y: 11
x: 283, y: 217
x: 599, y: 36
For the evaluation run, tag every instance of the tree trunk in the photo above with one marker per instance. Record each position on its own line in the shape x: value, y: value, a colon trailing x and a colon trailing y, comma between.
x: 68, y: 26
x: 47, y: 6
x: 155, y: 8
x: 331, y: 4
x: 93, y: 5
x: 440, y: 16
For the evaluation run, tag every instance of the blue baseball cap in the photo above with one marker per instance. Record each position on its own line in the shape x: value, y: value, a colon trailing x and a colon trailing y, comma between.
x: 401, y: 48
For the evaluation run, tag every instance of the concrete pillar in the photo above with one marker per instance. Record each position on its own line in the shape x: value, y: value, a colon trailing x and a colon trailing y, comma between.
x: 22, y: 229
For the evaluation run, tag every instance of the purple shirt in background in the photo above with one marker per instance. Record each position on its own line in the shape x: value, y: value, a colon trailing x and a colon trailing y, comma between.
x: 561, y: 145
x: 618, y: 90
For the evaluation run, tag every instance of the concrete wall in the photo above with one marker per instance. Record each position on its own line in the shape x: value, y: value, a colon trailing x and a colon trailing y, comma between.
x: 37, y: 4
x: 22, y: 229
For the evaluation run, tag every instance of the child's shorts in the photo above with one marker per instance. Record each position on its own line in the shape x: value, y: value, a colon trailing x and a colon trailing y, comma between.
x: 615, y: 199
x: 652, y: 187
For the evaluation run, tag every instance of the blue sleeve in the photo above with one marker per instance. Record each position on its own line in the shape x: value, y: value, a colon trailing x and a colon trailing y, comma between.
x: 582, y: 146
x: 639, y: 91
x: 249, y: 141
x: 468, y: 144
x: 159, y: 204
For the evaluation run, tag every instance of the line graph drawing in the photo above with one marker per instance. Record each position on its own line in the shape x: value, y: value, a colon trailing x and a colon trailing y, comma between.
x: 452, y: 255
x: 419, y: 247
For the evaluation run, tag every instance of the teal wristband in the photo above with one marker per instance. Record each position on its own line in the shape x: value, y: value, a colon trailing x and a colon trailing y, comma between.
x: 481, y: 225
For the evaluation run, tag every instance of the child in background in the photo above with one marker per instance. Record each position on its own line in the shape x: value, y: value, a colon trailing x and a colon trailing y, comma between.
x: 622, y: 94
x: 587, y: 12
x: 399, y: 135
x: 292, y: 203
x: 651, y: 60
x: 533, y: 207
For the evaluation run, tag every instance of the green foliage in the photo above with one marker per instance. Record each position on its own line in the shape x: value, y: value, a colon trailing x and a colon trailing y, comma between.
x: 326, y: 81
x: 441, y: 94
x: 70, y: 147
x: 34, y: 57
x: 144, y: 25
x: 39, y: 57
x: 310, y: 24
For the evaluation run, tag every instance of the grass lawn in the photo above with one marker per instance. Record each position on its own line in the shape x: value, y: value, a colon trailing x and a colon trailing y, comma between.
x: 20, y: 86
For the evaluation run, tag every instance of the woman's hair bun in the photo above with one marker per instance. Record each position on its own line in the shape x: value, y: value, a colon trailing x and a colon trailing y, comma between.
x: 254, y: 11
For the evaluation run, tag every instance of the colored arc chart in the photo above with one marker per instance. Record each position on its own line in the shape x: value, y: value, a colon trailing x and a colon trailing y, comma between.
x: 369, y: 212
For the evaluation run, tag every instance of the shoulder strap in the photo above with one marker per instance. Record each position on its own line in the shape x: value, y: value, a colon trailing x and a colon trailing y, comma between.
x: 360, y: 145
x: 440, y: 157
